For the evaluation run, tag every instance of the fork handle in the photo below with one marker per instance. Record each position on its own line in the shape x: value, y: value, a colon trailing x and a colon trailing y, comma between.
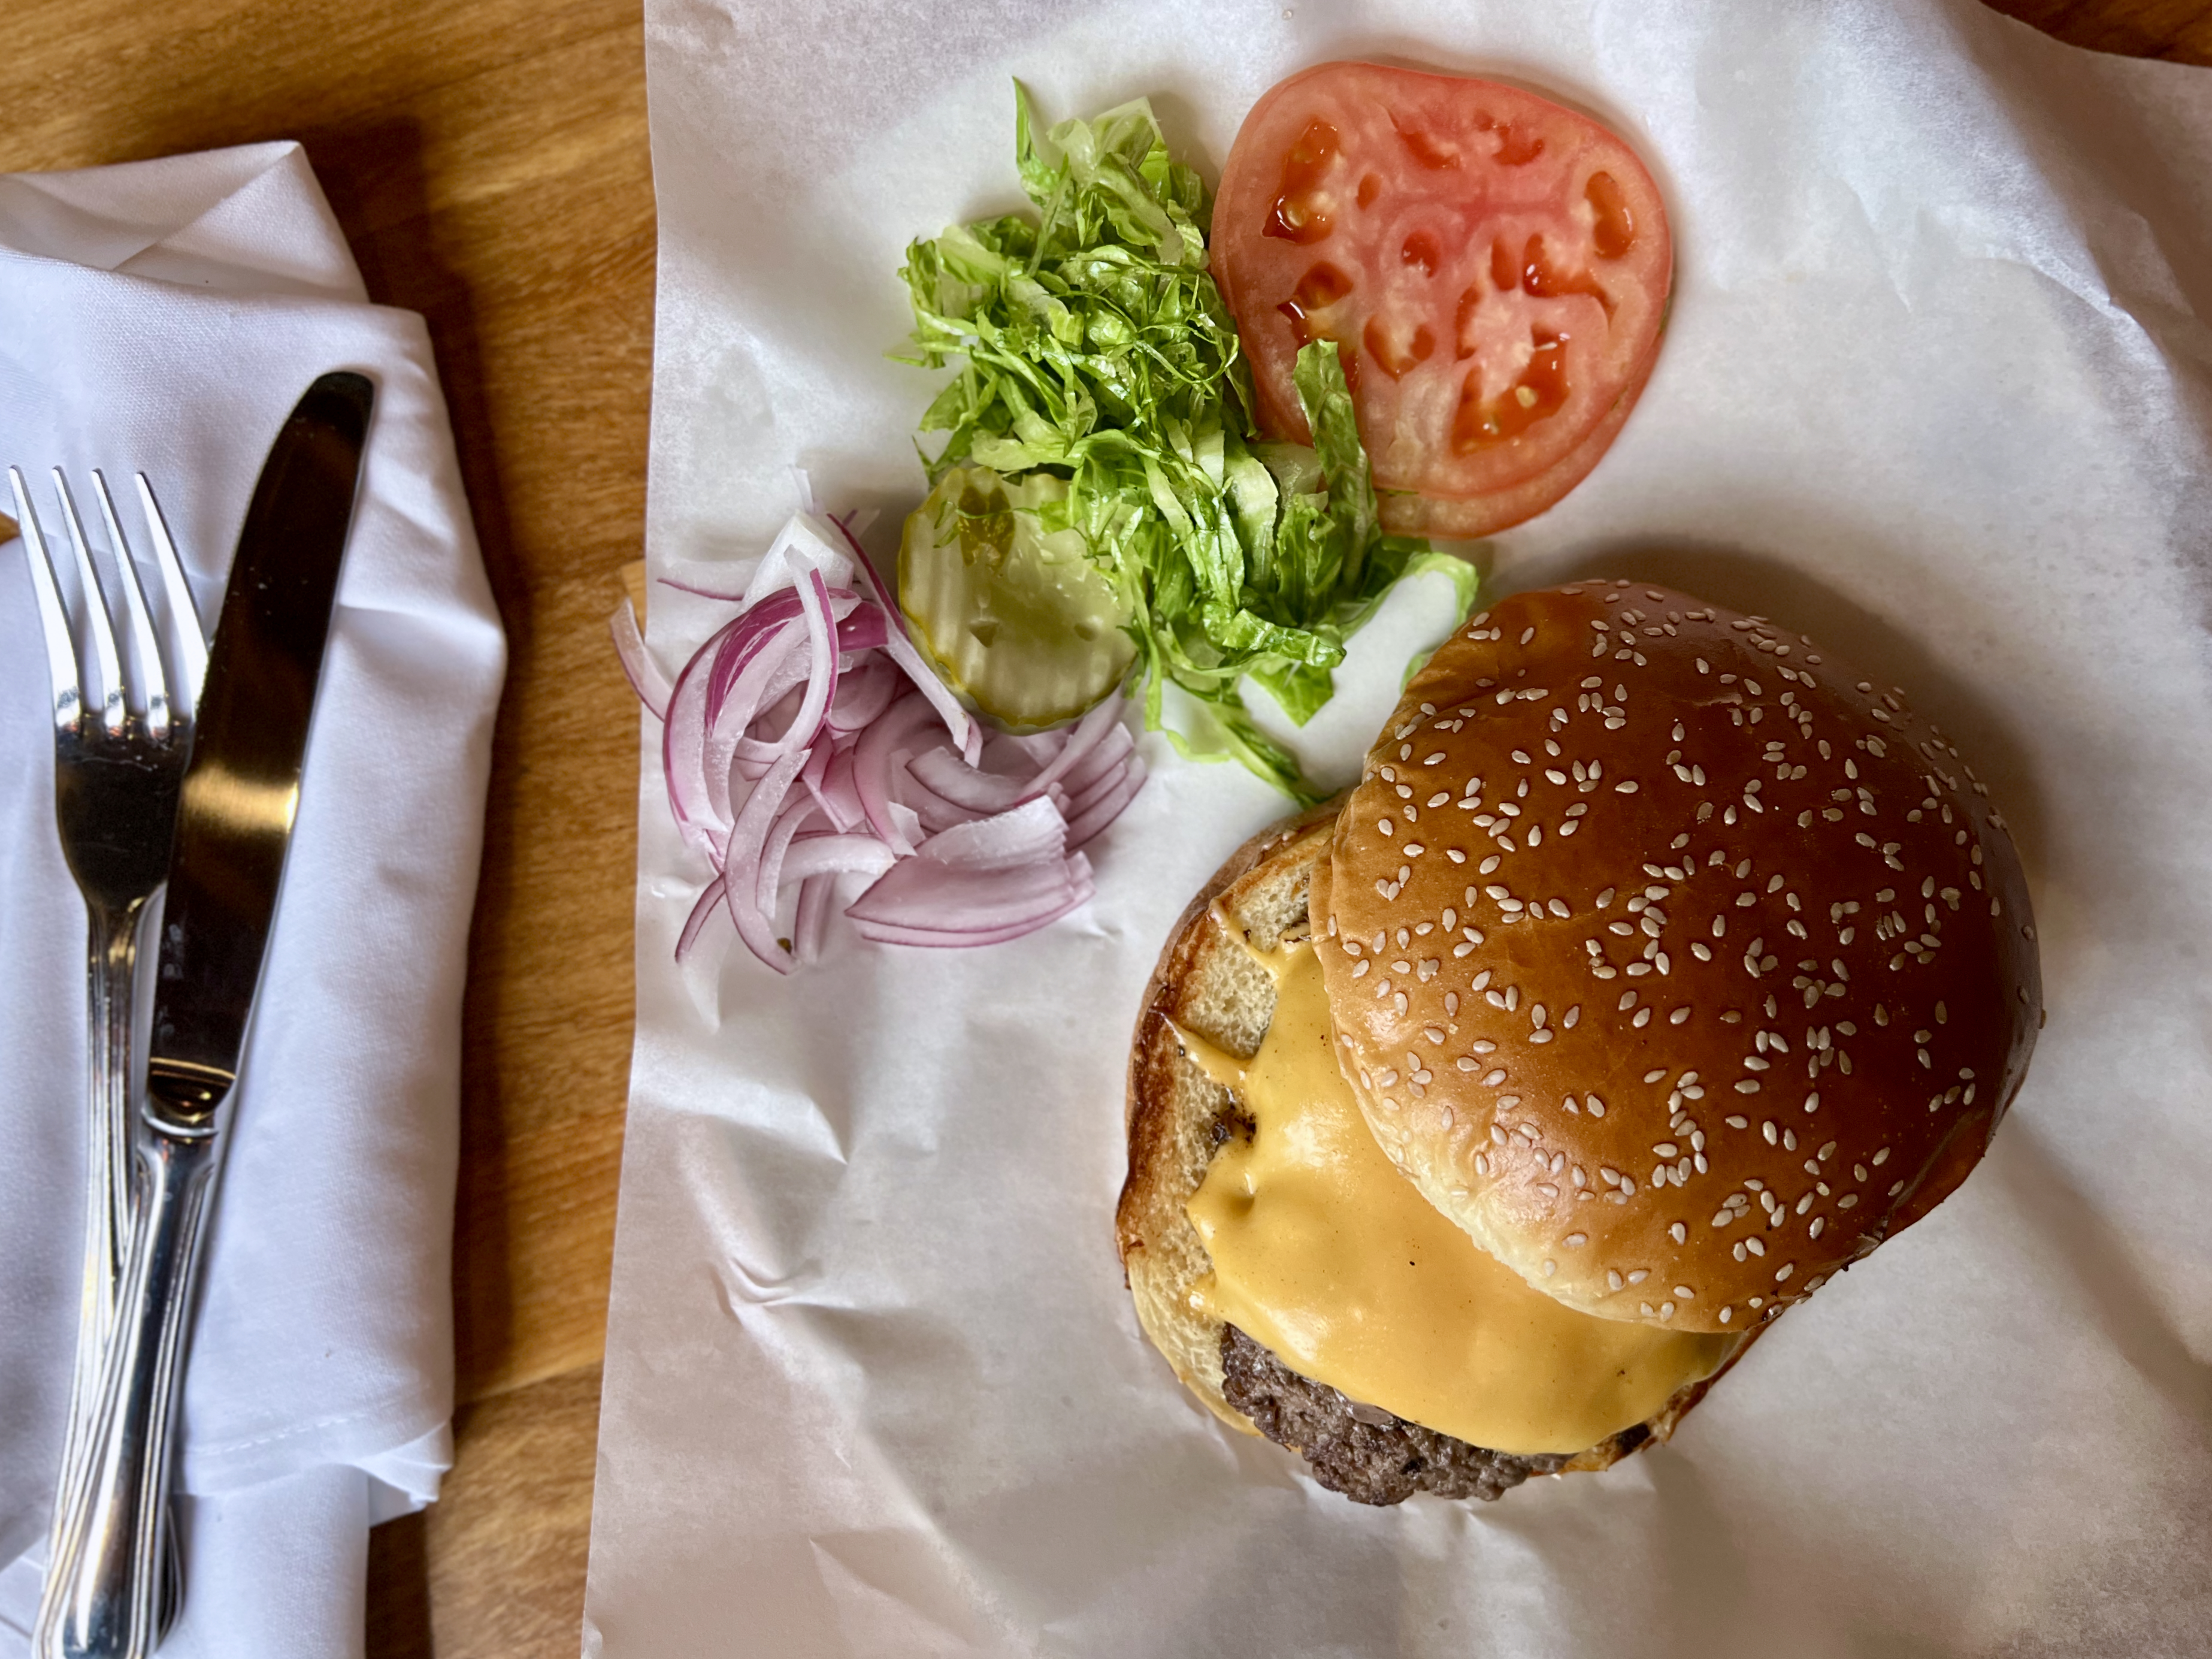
x: 103, y: 1596
x: 113, y: 948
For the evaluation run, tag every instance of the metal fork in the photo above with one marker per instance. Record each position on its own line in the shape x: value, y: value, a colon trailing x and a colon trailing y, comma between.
x: 117, y: 769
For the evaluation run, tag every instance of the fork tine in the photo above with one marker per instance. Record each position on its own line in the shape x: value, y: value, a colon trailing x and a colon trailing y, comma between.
x: 153, y: 681
x: 53, y: 621
x: 183, y: 612
x: 97, y: 612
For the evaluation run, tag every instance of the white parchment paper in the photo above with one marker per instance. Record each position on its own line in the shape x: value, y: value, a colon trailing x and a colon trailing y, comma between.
x: 1937, y: 388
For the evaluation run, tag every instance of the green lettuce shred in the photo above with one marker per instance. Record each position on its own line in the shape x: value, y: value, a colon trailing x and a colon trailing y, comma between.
x: 1092, y: 342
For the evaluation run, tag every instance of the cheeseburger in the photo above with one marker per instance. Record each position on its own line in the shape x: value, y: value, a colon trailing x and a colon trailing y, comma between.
x: 1658, y: 967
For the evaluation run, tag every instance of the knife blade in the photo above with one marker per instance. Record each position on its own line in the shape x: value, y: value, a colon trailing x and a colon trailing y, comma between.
x: 242, y: 791
x: 236, y: 812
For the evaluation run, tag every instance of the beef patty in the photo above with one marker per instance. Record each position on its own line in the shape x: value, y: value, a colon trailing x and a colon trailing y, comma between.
x: 1365, y: 1451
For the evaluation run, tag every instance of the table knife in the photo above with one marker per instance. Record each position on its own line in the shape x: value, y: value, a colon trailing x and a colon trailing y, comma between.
x: 240, y: 797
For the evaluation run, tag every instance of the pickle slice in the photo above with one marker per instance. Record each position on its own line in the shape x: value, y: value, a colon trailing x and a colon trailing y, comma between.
x: 1020, y: 622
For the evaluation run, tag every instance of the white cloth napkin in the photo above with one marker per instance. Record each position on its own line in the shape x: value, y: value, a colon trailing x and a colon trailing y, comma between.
x: 163, y: 317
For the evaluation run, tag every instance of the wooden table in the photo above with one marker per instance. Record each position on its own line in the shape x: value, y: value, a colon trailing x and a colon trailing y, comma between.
x: 488, y: 161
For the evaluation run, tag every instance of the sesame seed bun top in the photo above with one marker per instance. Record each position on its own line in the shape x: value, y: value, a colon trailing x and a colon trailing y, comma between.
x: 1670, y: 957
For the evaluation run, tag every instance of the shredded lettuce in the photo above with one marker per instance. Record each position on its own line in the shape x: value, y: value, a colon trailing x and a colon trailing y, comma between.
x: 1092, y: 342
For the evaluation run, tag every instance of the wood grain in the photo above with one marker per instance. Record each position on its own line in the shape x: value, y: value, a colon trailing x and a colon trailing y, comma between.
x: 488, y: 161
x: 2180, y: 31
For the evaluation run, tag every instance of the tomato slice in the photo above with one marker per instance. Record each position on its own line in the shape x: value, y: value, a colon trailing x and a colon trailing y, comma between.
x: 1493, y: 268
x: 1482, y: 515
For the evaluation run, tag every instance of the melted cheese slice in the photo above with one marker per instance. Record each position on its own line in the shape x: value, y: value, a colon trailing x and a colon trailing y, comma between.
x: 1329, y: 1258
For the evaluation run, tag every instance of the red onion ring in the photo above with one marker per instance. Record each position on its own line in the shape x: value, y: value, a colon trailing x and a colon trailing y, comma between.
x: 818, y: 896
x: 872, y: 763
x: 862, y: 695
x: 709, y: 898
x: 807, y: 741
x: 645, y: 676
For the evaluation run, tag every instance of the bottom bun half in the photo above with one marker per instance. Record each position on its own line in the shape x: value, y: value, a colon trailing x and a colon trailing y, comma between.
x: 1209, y: 987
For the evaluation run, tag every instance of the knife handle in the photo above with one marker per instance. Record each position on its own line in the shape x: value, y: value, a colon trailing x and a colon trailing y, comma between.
x: 102, y: 1598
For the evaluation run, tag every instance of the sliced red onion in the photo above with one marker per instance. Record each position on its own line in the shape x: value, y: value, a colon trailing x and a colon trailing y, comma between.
x: 871, y: 766
x: 920, y: 902
x: 1099, y: 788
x: 741, y: 642
x: 807, y: 742
x: 1098, y: 811
x: 1113, y: 753
x: 646, y: 677
x: 899, y: 648
x: 731, y: 756
x: 862, y: 695
x: 768, y: 884
x: 955, y: 780
x: 935, y: 811
x: 683, y: 757
x: 742, y: 857
x: 1105, y: 716
x: 817, y: 897
x: 837, y: 855
x: 696, y: 921
x: 697, y: 592
x: 886, y: 933
x: 841, y: 802
x: 1032, y: 834
x: 805, y: 543
x: 822, y: 657
x: 865, y: 629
